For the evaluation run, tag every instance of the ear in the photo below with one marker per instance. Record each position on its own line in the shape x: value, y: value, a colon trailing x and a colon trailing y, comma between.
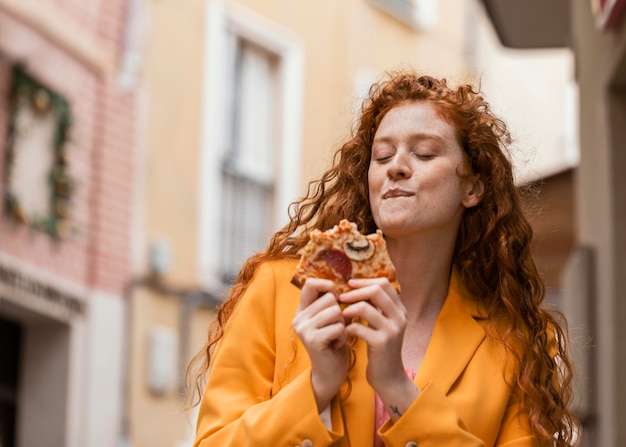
x: 473, y: 189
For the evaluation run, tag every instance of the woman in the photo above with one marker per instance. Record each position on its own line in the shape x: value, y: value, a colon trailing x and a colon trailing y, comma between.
x: 464, y: 356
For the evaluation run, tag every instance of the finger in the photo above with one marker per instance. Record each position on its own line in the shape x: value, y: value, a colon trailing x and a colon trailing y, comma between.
x: 341, y: 340
x: 365, y: 333
x: 327, y: 315
x: 380, y: 342
x: 364, y: 311
x: 334, y: 334
x: 313, y: 288
x: 325, y: 301
x: 383, y: 283
x: 320, y: 313
x: 381, y: 297
x: 324, y: 337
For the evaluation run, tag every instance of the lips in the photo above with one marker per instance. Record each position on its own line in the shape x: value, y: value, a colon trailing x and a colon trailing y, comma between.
x: 392, y: 193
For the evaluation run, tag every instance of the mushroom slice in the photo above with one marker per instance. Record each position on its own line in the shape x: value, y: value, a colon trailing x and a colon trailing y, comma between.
x: 359, y: 249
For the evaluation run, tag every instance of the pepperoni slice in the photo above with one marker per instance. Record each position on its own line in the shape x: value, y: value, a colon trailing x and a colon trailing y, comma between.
x: 338, y: 260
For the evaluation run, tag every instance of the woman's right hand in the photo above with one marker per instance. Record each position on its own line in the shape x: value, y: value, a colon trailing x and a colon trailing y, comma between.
x: 320, y: 325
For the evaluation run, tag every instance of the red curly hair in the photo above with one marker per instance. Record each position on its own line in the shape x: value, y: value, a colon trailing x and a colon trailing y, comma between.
x: 492, y: 252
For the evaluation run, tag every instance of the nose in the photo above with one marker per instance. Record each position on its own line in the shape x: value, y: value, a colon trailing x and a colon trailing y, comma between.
x: 399, y: 167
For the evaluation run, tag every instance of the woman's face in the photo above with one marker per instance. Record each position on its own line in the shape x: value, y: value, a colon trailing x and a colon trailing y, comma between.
x: 414, y: 182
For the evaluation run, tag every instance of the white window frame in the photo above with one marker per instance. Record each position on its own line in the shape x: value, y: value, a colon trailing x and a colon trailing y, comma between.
x: 221, y: 19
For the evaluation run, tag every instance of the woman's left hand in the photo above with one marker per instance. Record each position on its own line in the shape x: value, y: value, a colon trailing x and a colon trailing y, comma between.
x: 376, y: 302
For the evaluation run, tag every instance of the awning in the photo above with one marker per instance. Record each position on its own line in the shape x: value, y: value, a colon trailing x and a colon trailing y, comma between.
x: 528, y: 24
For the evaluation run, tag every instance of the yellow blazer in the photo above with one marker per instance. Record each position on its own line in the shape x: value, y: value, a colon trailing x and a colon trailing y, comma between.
x: 259, y: 392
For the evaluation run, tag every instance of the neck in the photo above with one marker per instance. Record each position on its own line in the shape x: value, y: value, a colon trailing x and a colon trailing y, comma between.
x: 423, y: 271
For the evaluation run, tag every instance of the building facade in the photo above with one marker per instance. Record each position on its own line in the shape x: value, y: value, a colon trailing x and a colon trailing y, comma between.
x: 593, y: 297
x: 67, y: 138
x: 596, y: 271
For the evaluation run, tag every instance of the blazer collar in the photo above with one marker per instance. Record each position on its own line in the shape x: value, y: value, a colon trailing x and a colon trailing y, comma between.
x: 455, y: 338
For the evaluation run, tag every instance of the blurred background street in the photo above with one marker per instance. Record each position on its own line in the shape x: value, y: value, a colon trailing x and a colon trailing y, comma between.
x: 147, y: 147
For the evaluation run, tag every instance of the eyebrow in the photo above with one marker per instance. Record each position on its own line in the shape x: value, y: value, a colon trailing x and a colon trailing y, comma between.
x: 414, y: 137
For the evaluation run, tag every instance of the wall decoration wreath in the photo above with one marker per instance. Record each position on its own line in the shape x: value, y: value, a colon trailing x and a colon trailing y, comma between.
x: 38, y: 185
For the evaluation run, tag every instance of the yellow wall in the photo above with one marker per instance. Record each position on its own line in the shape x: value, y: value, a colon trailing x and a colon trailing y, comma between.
x: 173, y: 74
x: 172, y: 81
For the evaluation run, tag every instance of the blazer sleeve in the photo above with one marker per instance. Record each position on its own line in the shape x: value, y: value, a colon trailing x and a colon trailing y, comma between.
x: 238, y: 407
x: 515, y: 430
x: 432, y: 421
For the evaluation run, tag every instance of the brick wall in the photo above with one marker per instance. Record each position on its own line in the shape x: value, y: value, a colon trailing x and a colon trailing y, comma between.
x: 96, y: 253
x: 110, y: 201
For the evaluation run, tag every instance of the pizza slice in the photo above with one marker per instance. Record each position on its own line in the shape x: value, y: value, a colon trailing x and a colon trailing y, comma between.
x: 342, y: 253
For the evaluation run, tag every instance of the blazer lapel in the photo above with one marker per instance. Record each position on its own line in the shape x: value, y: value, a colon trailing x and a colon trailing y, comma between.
x: 455, y: 338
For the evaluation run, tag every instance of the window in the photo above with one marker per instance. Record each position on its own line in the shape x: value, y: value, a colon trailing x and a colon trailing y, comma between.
x: 250, y: 151
x: 248, y: 170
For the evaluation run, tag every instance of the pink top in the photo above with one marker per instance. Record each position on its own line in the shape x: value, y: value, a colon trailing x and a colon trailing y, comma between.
x: 381, y: 415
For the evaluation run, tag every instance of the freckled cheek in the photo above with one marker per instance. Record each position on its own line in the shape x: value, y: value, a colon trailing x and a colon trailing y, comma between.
x: 443, y: 180
x: 376, y: 203
x: 374, y: 186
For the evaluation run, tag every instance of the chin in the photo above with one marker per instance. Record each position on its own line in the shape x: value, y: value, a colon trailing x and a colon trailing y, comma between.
x: 394, y: 226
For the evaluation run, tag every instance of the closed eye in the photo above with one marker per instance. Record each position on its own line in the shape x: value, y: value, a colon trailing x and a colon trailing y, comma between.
x: 425, y: 156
